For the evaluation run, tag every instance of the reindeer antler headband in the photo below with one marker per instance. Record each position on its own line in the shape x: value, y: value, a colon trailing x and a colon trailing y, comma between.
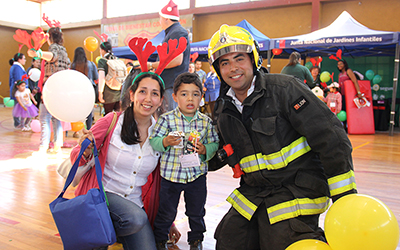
x: 314, y: 62
x: 103, y: 37
x: 338, y: 56
x: 23, y: 78
x: 166, y: 53
x: 51, y: 24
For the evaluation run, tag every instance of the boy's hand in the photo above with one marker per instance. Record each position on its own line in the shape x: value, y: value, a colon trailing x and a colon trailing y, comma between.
x: 200, y: 148
x: 171, y: 140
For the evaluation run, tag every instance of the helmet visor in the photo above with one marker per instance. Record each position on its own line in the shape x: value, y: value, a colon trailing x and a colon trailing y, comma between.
x: 230, y: 49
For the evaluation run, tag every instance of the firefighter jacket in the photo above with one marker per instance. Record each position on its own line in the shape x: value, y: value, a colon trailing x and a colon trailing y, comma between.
x: 293, y: 150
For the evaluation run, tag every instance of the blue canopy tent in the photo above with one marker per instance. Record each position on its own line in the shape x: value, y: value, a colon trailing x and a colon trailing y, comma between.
x: 200, y: 47
x: 126, y: 52
x: 353, y: 38
x: 263, y: 41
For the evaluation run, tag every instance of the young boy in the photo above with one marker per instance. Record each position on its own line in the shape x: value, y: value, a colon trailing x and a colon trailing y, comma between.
x: 188, y: 140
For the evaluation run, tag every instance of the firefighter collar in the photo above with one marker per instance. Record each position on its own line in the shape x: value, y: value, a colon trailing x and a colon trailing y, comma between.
x: 236, y: 102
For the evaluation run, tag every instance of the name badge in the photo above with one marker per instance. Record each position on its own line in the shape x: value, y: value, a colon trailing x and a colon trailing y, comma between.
x: 190, y: 160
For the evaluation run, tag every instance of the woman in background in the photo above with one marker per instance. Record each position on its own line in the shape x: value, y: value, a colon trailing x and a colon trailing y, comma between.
x: 56, y: 59
x: 89, y: 69
x: 16, y: 72
x: 109, y: 97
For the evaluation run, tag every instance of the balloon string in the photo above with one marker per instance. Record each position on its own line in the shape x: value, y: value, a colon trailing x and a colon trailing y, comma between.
x: 91, y: 56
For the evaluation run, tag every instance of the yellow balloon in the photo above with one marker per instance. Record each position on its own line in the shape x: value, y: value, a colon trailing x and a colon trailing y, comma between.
x: 325, y: 76
x: 360, y: 221
x: 309, y: 244
x: 97, y: 59
x: 91, y: 43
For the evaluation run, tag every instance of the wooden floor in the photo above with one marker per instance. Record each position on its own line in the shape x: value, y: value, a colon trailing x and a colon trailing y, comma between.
x: 28, y: 183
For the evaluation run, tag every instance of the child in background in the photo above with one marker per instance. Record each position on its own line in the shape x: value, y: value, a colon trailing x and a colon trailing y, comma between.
x: 334, y: 98
x: 192, y: 67
x: 24, y: 108
x: 184, y: 167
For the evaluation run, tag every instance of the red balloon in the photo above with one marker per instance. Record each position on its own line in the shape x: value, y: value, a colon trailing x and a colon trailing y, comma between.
x: 276, y: 51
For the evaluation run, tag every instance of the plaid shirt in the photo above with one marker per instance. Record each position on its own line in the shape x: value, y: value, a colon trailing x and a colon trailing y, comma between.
x: 334, y: 102
x: 60, y: 60
x: 170, y: 163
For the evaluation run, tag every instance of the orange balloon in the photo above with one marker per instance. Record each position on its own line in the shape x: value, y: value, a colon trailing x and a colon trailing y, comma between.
x: 76, y: 126
x: 91, y: 43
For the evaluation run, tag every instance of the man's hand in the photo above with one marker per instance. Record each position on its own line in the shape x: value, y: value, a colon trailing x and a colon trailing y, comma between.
x: 174, y: 234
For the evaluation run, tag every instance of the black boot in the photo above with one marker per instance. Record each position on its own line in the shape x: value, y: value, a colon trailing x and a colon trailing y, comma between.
x: 196, y: 245
x: 162, y: 245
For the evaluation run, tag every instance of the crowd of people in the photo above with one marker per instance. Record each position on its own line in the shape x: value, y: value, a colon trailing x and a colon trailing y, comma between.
x: 161, y: 145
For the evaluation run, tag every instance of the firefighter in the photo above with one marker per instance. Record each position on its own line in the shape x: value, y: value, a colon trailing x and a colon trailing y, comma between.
x: 292, y: 150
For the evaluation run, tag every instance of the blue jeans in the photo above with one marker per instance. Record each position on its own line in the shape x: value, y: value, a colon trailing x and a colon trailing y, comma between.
x: 195, y: 194
x: 89, y: 120
x: 45, y: 117
x: 131, y: 224
x: 170, y: 104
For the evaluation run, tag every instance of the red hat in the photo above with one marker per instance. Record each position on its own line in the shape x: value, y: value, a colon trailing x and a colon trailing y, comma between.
x: 170, y: 11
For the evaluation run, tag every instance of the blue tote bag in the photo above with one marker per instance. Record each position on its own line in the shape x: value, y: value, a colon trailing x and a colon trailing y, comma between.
x: 84, y: 222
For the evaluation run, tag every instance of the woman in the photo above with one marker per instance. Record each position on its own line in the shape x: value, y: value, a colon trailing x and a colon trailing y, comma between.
x: 56, y: 59
x: 16, y: 72
x: 316, y: 73
x: 347, y: 74
x: 33, y: 85
x: 109, y: 97
x: 127, y: 160
x: 294, y: 68
x: 89, y: 69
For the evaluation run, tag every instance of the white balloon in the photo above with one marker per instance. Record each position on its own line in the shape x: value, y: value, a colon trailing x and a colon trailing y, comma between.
x: 69, y: 95
x: 34, y: 74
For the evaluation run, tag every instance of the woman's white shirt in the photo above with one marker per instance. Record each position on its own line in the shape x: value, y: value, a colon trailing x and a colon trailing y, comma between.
x: 128, y: 166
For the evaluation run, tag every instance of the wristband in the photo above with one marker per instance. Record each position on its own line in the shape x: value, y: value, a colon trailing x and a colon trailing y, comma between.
x: 39, y: 53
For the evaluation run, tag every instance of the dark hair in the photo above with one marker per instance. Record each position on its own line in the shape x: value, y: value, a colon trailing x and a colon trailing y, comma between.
x: 187, y: 78
x: 56, y: 36
x: 80, y: 61
x: 106, y: 46
x: 346, y: 65
x: 19, y: 82
x: 315, y: 67
x: 16, y: 58
x: 294, y: 58
x: 129, y: 131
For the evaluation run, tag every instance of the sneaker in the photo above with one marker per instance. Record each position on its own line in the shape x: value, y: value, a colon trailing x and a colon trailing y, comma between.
x: 162, y: 245
x: 67, y: 145
x: 55, y: 150
x: 27, y: 128
x: 196, y: 245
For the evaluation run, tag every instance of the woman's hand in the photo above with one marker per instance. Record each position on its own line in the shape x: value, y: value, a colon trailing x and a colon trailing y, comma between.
x: 174, y: 234
x: 87, y: 134
x: 31, y: 53
x: 101, y: 97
